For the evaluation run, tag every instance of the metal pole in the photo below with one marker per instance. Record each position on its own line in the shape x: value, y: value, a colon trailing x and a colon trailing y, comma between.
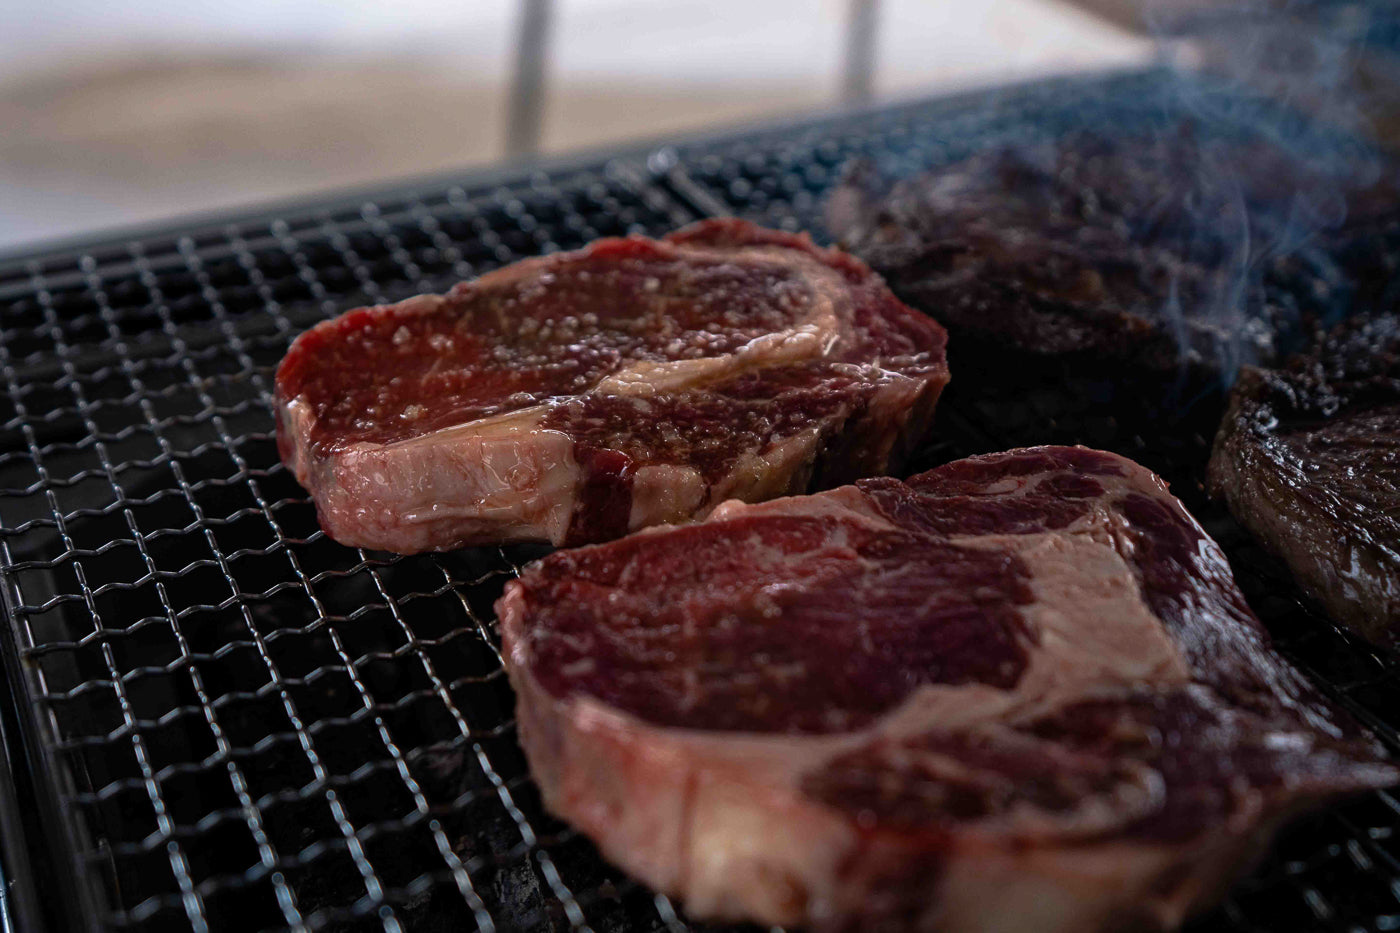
x: 858, y: 76
x: 527, y: 90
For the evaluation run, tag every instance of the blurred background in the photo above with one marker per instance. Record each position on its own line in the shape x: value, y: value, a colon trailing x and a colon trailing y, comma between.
x: 116, y: 114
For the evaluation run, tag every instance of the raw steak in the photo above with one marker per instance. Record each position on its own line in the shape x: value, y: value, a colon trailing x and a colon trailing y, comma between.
x: 1308, y: 458
x: 1017, y: 692
x: 579, y: 396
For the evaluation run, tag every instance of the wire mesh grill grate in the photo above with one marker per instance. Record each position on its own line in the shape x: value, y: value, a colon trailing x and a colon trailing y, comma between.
x: 248, y: 726
x: 259, y: 727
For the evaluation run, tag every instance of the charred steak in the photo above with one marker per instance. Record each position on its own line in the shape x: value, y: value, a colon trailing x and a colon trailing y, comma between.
x: 580, y: 396
x: 1308, y: 458
x: 1141, y: 250
x: 1019, y: 691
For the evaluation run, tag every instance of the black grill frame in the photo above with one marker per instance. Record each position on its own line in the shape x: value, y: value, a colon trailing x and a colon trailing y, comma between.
x: 166, y: 337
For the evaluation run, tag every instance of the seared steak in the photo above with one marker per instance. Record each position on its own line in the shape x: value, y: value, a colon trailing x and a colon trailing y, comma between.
x: 1308, y: 458
x: 1019, y: 691
x: 1147, y: 250
x: 580, y: 396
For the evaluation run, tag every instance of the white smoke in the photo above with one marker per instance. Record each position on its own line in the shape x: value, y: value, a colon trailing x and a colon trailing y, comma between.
x: 1303, y: 78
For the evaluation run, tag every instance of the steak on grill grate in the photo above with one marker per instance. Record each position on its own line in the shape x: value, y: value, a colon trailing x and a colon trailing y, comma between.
x: 579, y: 396
x: 1134, y: 249
x: 1308, y: 459
x: 1019, y: 691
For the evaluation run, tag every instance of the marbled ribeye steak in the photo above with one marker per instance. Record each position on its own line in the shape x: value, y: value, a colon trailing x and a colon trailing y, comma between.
x: 1017, y: 692
x: 579, y: 396
x: 1308, y: 458
x: 1114, y: 246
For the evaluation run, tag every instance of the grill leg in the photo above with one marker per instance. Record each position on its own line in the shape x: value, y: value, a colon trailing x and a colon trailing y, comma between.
x: 857, y: 79
x: 527, y: 89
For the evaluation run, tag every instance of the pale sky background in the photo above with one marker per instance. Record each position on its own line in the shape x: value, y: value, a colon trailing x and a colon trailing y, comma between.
x: 118, y: 113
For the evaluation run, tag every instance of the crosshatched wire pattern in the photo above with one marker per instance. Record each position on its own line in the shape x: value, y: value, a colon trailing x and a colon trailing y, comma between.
x: 248, y: 726
x: 254, y: 726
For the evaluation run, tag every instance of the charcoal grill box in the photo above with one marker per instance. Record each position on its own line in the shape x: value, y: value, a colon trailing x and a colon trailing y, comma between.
x: 216, y: 718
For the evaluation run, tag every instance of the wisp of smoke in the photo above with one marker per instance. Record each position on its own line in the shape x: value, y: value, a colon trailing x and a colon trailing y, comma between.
x: 1288, y: 76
